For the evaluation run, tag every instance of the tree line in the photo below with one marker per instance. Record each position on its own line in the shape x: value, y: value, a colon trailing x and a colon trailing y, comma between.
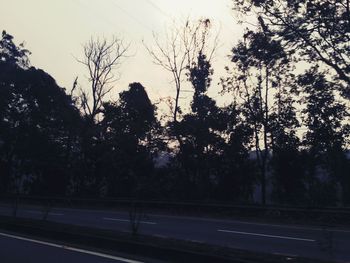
x: 283, y: 139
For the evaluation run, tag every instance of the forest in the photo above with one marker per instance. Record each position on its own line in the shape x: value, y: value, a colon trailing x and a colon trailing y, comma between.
x: 283, y: 139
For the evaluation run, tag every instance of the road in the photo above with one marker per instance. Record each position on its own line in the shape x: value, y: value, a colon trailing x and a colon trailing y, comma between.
x: 15, y: 249
x: 290, y: 240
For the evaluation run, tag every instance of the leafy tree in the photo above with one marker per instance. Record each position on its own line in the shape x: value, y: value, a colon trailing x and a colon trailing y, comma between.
x: 318, y: 33
x: 286, y: 162
x: 37, y: 125
x: 237, y: 172
x: 315, y: 30
x: 259, y: 64
x: 130, y: 133
x: 200, y: 130
x: 12, y: 54
x: 325, y: 138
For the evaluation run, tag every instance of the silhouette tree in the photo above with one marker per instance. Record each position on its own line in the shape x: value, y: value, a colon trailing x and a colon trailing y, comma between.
x: 260, y: 62
x: 12, y: 54
x: 101, y: 58
x: 180, y: 50
x: 286, y: 163
x: 37, y: 123
x: 325, y: 138
x: 51, y: 143
x: 200, y: 130
x: 316, y: 31
x: 130, y: 128
x: 237, y: 172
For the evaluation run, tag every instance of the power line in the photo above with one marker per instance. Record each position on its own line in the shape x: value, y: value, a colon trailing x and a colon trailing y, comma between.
x: 132, y: 16
x: 156, y: 7
x: 104, y: 18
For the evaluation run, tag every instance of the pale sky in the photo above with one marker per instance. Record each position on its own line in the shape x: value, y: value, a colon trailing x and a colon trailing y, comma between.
x: 55, y: 31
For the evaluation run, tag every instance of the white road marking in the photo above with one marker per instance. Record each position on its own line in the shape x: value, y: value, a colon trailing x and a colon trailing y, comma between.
x: 289, y: 226
x: 338, y: 230
x: 161, y: 236
x: 285, y: 255
x: 38, y: 212
x: 33, y: 212
x: 125, y: 220
x: 56, y: 214
x: 264, y: 235
x: 83, y: 251
x: 197, y: 241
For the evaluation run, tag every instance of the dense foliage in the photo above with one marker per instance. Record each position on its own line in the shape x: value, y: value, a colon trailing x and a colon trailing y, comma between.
x: 284, y: 139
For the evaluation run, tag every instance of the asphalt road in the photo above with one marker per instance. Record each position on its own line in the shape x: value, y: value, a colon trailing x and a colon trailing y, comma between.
x: 290, y: 240
x: 16, y: 249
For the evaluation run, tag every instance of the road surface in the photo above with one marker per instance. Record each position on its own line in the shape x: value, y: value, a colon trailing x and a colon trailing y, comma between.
x: 290, y: 240
x: 16, y: 249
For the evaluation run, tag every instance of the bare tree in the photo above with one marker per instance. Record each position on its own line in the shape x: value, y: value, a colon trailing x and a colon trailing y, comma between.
x: 101, y: 58
x: 179, y: 50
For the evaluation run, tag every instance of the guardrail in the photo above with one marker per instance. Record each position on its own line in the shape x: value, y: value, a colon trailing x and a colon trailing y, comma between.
x: 154, y: 202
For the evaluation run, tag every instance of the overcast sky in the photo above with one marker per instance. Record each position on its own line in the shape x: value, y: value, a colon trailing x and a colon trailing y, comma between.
x: 55, y: 30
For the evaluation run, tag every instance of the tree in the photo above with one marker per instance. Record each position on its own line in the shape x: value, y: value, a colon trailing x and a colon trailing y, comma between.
x: 101, y: 58
x: 12, y: 54
x: 286, y: 162
x: 38, y: 122
x: 237, y: 172
x: 261, y: 65
x: 200, y: 130
x: 316, y: 31
x: 326, y: 136
x: 130, y: 133
x: 179, y: 51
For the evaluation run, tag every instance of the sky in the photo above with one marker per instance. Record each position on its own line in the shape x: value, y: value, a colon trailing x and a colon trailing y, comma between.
x: 56, y: 30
